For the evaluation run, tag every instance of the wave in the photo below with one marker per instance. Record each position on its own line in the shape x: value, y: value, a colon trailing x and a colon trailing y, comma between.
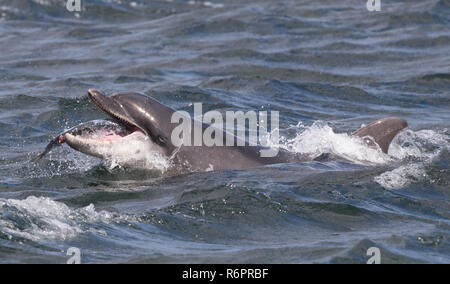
x: 106, y: 10
x: 418, y: 149
x: 36, y: 218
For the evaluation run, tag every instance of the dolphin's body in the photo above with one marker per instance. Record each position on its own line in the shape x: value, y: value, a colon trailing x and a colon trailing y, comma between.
x: 141, y: 124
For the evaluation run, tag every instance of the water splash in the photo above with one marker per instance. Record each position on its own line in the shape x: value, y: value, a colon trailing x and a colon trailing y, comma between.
x: 410, y: 152
x: 401, y: 176
x: 149, y: 158
x: 418, y: 149
x: 320, y: 138
x: 36, y: 218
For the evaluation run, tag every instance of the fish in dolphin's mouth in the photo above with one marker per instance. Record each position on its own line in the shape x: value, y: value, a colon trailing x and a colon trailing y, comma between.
x: 93, y: 137
x: 130, y: 137
x: 98, y: 137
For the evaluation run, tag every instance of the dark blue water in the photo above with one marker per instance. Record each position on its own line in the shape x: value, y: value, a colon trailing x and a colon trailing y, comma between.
x: 328, y: 67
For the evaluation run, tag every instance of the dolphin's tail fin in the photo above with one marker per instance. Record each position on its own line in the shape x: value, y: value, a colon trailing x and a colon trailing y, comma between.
x: 382, y: 131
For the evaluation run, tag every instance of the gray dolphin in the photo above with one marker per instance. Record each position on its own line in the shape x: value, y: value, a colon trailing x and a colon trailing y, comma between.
x: 136, y: 117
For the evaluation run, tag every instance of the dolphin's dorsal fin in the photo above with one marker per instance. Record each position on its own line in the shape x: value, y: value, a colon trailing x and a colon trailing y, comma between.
x: 382, y: 131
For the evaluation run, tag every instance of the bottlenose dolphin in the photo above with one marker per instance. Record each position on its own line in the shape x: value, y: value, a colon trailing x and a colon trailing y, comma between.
x: 140, y: 124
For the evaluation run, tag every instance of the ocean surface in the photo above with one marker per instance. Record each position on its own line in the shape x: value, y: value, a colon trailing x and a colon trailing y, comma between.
x: 328, y: 67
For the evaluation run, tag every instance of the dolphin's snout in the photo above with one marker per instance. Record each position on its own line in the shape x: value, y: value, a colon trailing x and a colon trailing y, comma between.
x: 104, y: 102
x: 93, y: 92
x: 95, y: 96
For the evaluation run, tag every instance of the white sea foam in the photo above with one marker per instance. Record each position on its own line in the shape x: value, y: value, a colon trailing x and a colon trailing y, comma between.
x: 419, y: 148
x: 410, y: 150
x: 320, y: 138
x: 35, y: 218
x: 401, y: 176
x: 206, y: 4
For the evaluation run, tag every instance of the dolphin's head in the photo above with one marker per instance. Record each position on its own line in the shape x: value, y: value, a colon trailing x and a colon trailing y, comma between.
x: 141, y: 119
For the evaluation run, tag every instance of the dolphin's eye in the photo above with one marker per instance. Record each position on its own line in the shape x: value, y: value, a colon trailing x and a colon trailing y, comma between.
x: 162, y: 140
